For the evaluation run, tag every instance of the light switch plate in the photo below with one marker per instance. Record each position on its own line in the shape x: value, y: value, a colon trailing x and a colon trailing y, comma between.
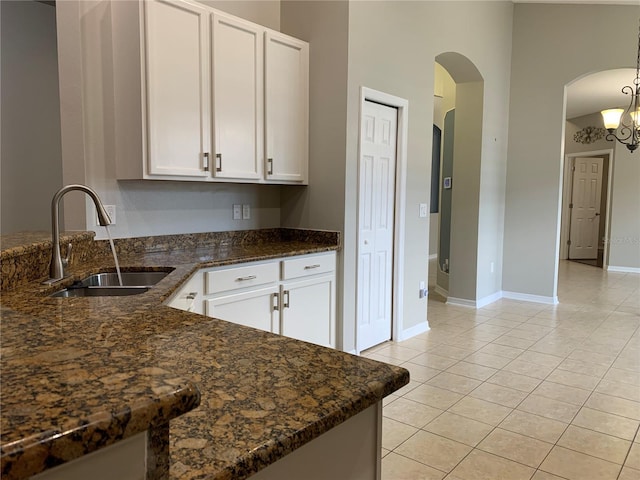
x: 246, y: 212
x: 237, y: 212
x: 423, y: 210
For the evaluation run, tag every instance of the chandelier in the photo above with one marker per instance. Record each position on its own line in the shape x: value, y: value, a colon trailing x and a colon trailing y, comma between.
x: 628, y: 120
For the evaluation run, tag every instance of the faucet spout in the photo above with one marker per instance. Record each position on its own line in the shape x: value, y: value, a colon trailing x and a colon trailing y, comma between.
x: 58, y: 264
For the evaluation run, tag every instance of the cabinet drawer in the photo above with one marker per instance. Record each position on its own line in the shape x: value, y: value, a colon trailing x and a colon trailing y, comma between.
x: 241, y: 277
x: 308, y: 265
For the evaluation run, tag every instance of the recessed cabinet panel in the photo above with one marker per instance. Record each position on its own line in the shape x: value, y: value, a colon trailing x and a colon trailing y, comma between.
x: 287, y: 107
x: 252, y: 309
x: 238, y: 98
x: 308, y: 308
x: 177, y: 41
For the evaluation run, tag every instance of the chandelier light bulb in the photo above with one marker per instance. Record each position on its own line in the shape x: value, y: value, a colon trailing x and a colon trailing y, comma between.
x: 611, y: 118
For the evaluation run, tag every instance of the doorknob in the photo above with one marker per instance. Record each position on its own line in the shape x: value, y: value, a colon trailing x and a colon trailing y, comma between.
x: 597, y: 214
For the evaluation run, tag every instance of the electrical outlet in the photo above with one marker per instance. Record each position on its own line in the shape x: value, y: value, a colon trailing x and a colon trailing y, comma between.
x: 237, y: 212
x: 246, y: 212
x: 111, y: 211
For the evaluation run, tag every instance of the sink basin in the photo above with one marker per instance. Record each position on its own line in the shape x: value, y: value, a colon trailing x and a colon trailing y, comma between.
x: 99, y: 291
x: 107, y: 284
x: 136, y: 279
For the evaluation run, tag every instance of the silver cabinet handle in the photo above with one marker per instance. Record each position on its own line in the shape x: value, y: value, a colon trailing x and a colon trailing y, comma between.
x: 285, y: 303
x: 270, y: 166
x: 310, y: 267
x: 206, y: 161
x: 276, y: 302
x: 244, y: 279
x: 218, y: 162
x: 191, y: 296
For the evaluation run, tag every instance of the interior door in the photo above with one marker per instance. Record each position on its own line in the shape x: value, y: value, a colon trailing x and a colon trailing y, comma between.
x: 376, y: 194
x: 585, y: 208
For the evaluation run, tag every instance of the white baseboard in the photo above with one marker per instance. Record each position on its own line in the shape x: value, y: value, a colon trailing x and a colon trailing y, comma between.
x: 461, y: 302
x: 407, y: 333
x: 441, y: 291
x: 484, y: 301
x: 526, y: 297
x: 613, y: 268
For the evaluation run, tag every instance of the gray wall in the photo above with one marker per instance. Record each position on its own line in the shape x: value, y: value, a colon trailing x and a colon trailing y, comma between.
x: 31, y: 165
x: 399, y: 62
x: 322, y: 204
x: 143, y: 207
x: 553, y: 45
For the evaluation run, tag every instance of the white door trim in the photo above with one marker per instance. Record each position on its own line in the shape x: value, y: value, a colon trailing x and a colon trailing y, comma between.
x: 567, y: 181
x: 397, y: 331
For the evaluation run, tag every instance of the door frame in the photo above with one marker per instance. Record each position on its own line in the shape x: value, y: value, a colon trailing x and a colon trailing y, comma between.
x: 567, y: 186
x: 402, y: 106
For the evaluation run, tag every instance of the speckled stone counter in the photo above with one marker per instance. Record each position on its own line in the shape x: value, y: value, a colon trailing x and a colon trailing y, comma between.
x: 82, y: 373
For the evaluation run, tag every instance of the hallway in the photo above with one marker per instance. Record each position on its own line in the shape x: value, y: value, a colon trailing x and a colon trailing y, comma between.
x: 520, y: 390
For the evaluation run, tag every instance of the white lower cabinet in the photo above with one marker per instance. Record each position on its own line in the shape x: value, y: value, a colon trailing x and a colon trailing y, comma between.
x: 294, y: 296
x: 308, y: 310
x: 255, y: 308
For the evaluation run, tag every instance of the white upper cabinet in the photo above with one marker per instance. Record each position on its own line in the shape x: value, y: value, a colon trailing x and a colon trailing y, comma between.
x: 207, y: 97
x: 238, y: 98
x: 178, y: 88
x: 286, y: 107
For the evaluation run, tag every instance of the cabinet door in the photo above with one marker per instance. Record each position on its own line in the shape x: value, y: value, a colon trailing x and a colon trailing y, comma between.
x: 237, y: 98
x: 308, y: 310
x: 287, y: 108
x: 257, y: 309
x: 189, y: 296
x: 178, y: 88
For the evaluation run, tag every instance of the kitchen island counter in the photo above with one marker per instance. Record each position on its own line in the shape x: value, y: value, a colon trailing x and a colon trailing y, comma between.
x: 82, y: 373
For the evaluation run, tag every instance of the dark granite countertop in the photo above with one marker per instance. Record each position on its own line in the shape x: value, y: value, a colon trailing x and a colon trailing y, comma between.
x: 82, y: 373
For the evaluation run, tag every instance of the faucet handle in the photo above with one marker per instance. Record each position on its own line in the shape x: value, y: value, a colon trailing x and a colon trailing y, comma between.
x: 65, y: 260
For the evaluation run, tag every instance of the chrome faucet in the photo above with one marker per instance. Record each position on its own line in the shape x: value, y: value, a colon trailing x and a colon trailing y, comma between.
x: 58, y: 264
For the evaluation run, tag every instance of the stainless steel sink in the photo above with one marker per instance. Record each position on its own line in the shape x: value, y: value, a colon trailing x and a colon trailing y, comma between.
x: 99, y: 291
x: 136, y: 279
x: 107, y: 284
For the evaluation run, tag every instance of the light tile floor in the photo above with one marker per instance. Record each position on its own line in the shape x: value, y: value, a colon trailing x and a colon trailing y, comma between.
x: 521, y: 390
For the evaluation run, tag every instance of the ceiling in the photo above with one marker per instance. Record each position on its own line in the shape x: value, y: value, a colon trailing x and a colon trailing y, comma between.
x: 599, y: 91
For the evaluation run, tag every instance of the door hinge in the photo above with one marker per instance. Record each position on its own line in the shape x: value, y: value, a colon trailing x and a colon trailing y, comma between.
x: 571, y: 205
x: 568, y: 242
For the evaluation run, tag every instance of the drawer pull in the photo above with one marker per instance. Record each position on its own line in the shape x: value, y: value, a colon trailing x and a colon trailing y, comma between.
x: 191, y: 296
x: 285, y: 303
x: 310, y: 267
x: 244, y: 279
x: 276, y: 302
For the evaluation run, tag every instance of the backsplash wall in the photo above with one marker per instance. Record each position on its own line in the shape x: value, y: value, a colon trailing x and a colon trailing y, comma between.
x: 89, y: 139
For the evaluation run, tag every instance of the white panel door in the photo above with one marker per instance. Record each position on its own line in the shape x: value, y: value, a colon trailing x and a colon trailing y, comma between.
x: 178, y: 88
x: 376, y: 223
x: 238, y: 98
x: 585, y: 210
x: 286, y: 107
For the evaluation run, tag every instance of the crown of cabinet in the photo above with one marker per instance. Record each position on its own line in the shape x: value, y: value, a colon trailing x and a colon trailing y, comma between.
x: 214, y: 98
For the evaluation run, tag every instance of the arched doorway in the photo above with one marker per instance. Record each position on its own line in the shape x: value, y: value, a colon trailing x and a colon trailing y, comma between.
x: 458, y: 112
